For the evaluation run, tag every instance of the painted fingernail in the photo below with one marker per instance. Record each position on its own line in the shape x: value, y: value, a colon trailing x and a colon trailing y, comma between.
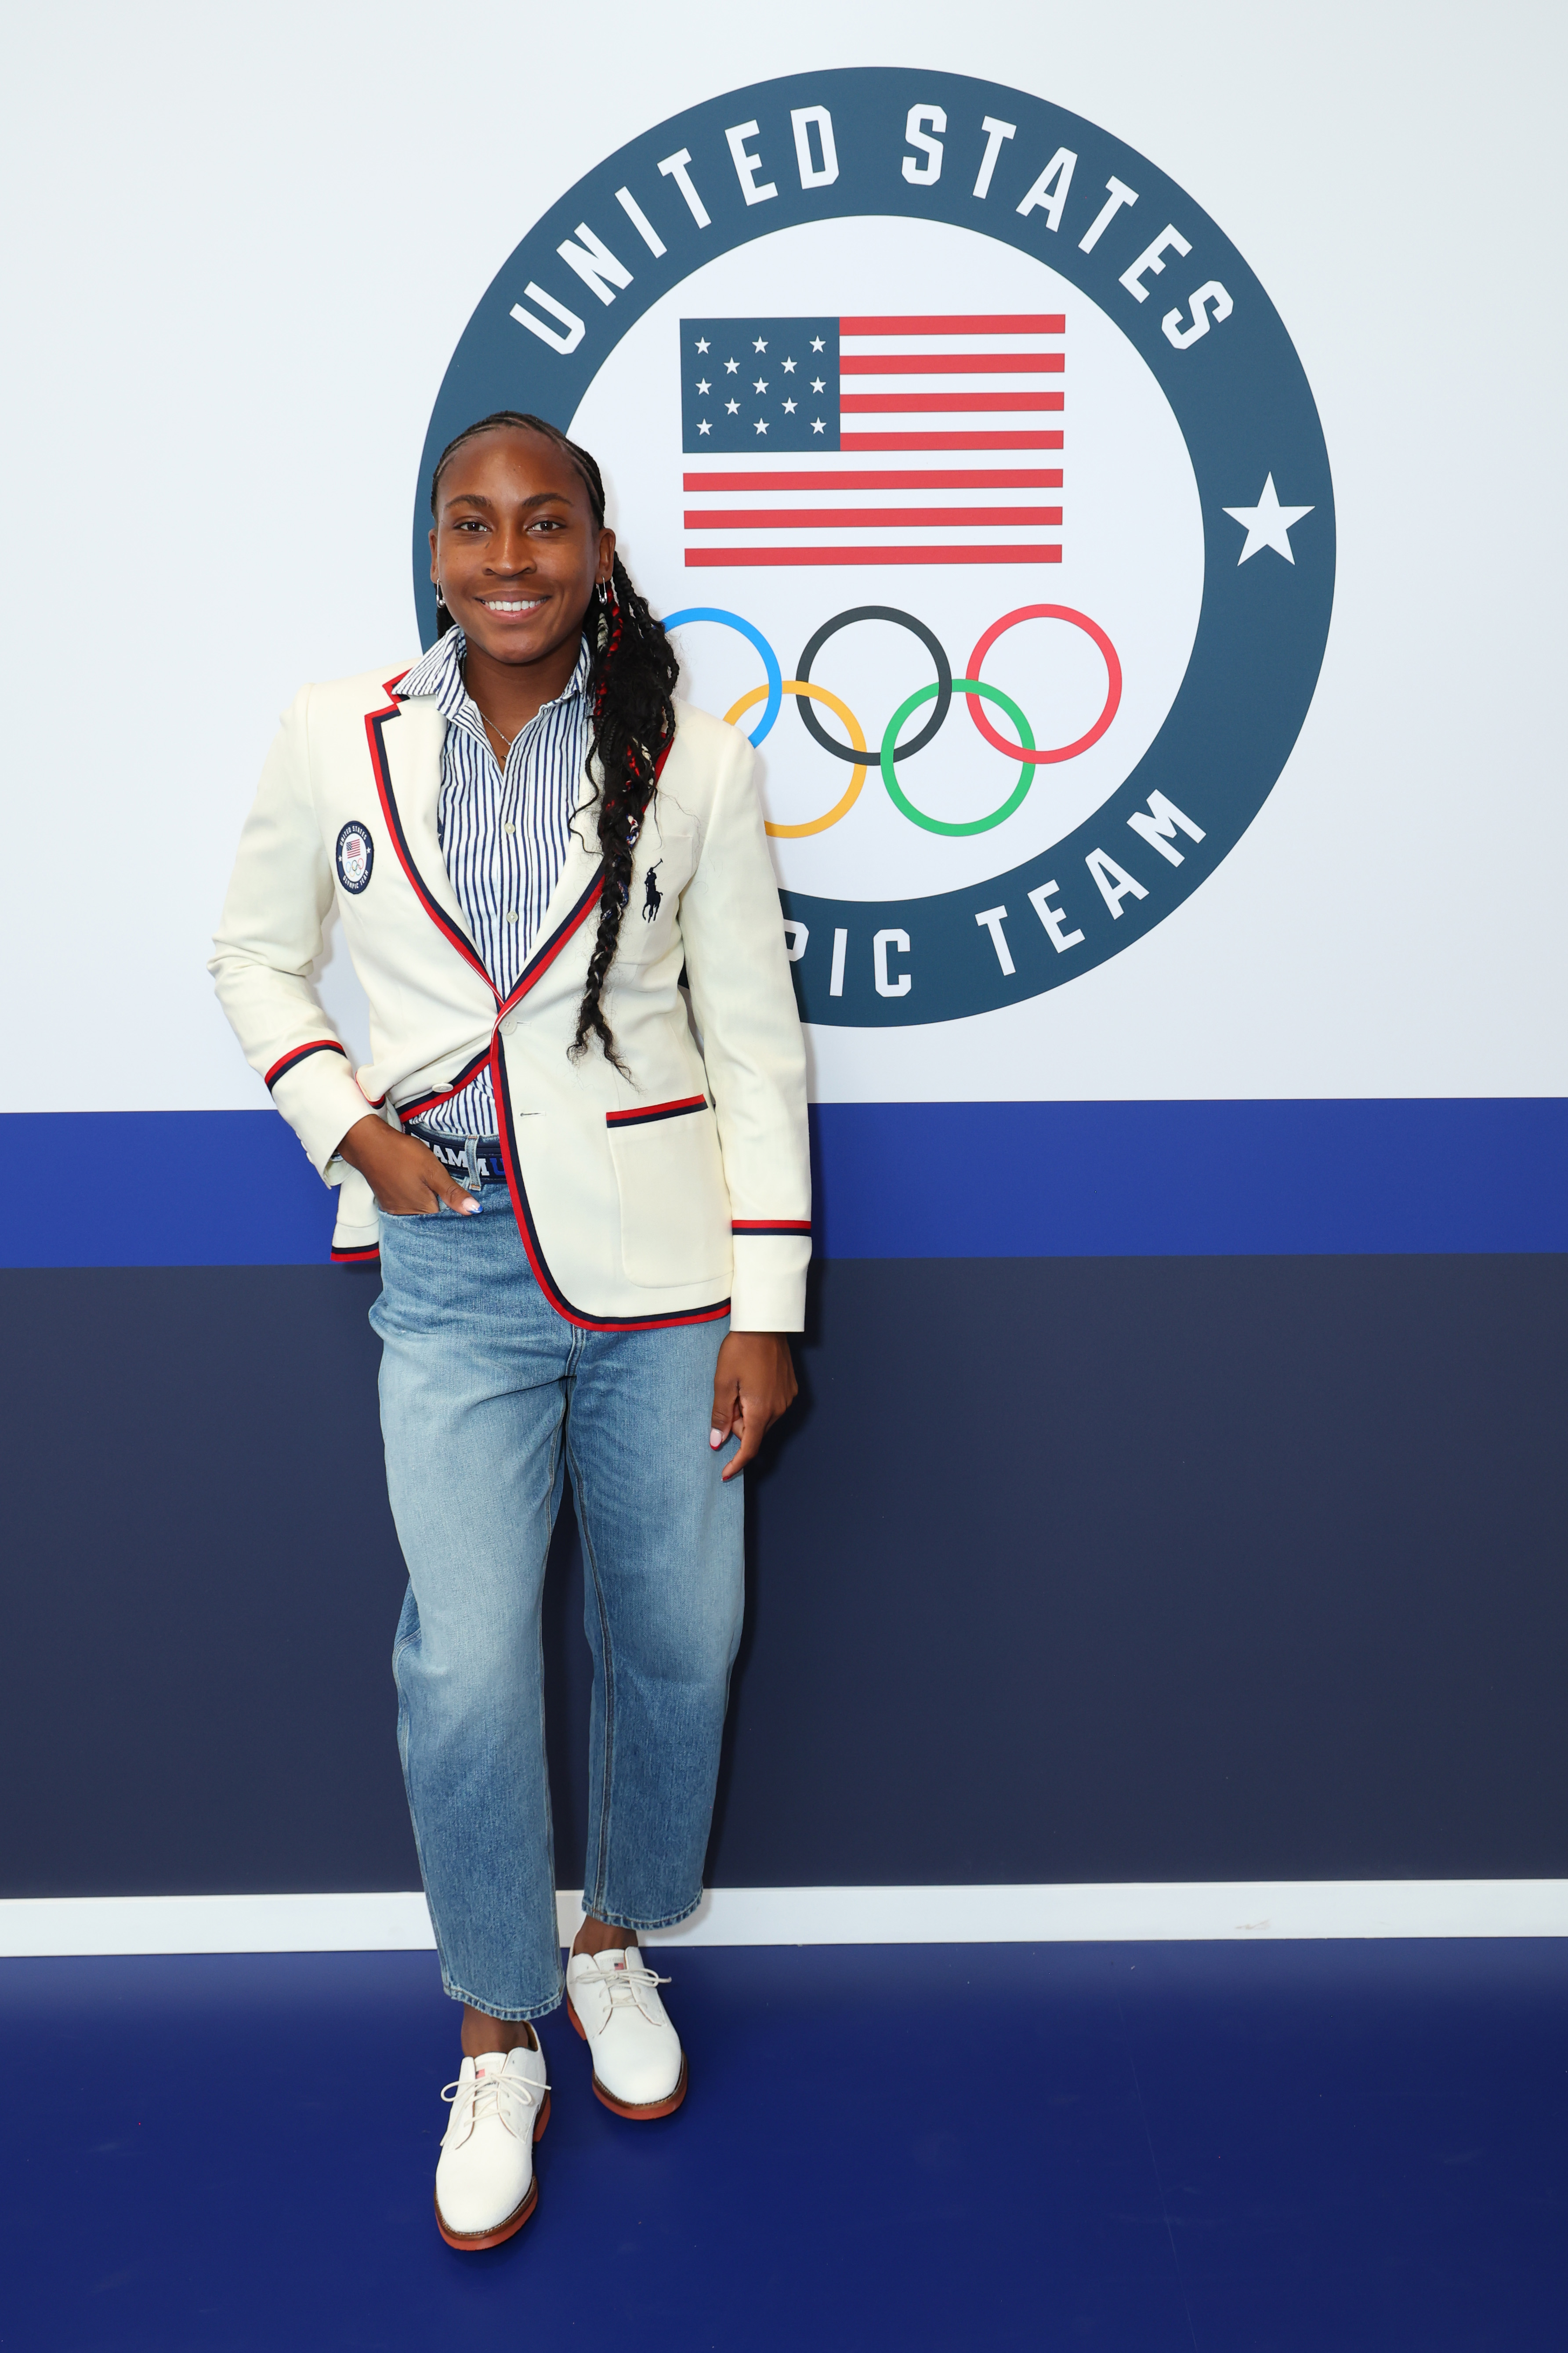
x: 715, y: 1437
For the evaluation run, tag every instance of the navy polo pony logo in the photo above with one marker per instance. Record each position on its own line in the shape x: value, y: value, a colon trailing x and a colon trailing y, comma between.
x: 653, y: 897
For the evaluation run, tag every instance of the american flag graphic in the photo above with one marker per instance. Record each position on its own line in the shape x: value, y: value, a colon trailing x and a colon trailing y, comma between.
x: 980, y: 391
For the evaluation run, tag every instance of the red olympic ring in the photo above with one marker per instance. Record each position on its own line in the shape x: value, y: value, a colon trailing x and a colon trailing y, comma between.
x: 1112, y: 691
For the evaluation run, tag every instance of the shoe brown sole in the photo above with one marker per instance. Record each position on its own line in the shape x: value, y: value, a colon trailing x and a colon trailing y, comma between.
x: 636, y: 2114
x: 470, y: 2243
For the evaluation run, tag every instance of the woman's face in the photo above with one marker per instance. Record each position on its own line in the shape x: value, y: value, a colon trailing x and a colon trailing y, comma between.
x: 515, y: 547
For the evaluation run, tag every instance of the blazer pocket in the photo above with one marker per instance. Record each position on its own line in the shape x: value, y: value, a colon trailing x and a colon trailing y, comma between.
x: 675, y: 1205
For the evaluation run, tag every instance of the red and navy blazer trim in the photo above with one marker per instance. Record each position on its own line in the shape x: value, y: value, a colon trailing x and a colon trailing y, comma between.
x: 531, y: 1242
x: 375, y: 722
x: 368, y: 1256
x: 544, y: 955
x: 679, y: 1110
x: 286, y: 1062
x: 771, y: 1226
x: 427, y: 1101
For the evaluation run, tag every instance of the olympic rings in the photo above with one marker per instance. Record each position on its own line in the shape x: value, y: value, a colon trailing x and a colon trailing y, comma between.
x: 941, y: 692
x: 976, y: 825
x: 927, y: 639
x: 770, y: 660
x: 1113, y: 676
x: 841, y: 808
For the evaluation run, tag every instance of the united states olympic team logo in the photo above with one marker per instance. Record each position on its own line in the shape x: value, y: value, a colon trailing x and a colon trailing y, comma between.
x: 981, y: 485
x: 356, y: 856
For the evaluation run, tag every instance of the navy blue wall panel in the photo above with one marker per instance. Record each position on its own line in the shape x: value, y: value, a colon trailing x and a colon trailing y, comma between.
x: 1083, y: 1569
x: 893, y: 1180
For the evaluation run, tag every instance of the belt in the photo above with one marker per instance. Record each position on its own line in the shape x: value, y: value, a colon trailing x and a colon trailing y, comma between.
x: 473, y: 1157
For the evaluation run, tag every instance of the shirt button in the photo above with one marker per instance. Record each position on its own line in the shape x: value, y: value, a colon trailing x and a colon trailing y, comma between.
x: 511, y: 914
x: 509, y: 829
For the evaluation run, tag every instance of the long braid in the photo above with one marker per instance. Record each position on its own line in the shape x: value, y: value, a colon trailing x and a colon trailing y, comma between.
x: 632, y: 675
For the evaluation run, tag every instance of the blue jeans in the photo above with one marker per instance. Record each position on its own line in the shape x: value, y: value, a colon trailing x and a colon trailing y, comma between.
x: 487, y: 1399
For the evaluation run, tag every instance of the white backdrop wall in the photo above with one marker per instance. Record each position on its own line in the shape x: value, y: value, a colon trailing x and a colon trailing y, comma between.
x: 243, y: 245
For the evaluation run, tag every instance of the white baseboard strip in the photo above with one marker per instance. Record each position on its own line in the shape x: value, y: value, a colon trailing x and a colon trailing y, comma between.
x: 1109, y: 1912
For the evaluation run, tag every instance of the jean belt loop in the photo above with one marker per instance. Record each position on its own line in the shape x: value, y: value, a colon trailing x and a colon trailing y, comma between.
x: 472, y: 1153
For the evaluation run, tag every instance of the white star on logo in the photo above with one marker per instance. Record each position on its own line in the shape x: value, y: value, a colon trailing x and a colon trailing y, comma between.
x: 702, y: 342
x: 762, y: 425
x: 731, y: 409
x: 817, y: 425
x: 704, y: 427
x: 816, y: 343
x: 789, y: 367
x: 760, y: 385
x: 702, y: 385
x: 789, y: 408
x: 730, y: 366
x: 817, y: 384
x: 761, y: 344
x: 1268, y: 525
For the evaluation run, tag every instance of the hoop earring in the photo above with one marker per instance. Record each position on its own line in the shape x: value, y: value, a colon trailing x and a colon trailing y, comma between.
x: 441, y: 606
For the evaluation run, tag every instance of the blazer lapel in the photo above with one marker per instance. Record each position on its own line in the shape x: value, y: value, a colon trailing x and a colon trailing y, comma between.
x: 577, y: 891
x: 406, y: 740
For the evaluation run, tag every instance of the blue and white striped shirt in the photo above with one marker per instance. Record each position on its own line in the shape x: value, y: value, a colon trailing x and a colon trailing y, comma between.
x: 503, y: 832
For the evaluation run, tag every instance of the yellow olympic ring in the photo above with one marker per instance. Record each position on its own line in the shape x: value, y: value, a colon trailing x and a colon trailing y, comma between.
x: 857, y: 742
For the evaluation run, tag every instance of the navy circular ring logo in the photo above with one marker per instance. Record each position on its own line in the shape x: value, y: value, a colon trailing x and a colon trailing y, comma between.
x: 355, y: 857
x: 862, y: 144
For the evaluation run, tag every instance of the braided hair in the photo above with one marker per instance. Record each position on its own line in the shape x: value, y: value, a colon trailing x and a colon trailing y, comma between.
x: 631, y: 686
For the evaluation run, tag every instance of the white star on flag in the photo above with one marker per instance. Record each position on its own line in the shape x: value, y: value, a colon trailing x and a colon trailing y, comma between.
x: 1268, y: 525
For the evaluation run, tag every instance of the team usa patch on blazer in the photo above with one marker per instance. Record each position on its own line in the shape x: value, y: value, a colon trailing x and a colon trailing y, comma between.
x: 356, y: 856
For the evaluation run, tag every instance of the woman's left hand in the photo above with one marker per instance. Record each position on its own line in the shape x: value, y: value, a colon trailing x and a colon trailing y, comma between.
x: 754, y: 1384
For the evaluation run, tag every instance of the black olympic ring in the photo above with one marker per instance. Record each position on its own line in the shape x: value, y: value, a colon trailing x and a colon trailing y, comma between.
x: 933, y: 647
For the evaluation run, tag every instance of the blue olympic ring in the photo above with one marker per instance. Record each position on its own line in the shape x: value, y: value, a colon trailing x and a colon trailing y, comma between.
x: 774, y: 703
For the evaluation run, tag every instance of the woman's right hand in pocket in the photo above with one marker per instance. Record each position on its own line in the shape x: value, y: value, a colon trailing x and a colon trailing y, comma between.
x: 404, y: 1175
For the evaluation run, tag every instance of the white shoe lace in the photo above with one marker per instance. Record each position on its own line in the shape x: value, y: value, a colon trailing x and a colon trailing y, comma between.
x: 623, y: 1984
x: 485, y: 2102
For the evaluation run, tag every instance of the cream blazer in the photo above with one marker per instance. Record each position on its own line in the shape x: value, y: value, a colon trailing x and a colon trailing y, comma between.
x: 682, y: 1193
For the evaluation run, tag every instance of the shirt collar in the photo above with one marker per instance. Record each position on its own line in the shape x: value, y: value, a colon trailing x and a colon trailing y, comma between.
x: 441, y: 676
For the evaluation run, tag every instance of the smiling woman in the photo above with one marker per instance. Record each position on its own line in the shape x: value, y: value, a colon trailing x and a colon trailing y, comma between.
x: 593, y: 1237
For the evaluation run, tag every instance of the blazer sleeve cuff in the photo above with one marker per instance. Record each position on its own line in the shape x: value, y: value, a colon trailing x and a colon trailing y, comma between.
x: 317, y: 1094
x: 768, y: 1290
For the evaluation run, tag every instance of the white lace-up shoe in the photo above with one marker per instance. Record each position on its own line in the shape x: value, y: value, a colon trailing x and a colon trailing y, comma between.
x: 639, y: 2067
x: 485, y: 2188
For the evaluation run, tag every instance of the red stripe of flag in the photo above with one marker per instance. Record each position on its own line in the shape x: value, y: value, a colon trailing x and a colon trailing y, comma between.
x: 990, y: 323
x: 1048, y: 440
x: 982, y: 478
x: 950, y: 363
x: 883, y: 404
x: 859, y: 518
x: 716, y: 558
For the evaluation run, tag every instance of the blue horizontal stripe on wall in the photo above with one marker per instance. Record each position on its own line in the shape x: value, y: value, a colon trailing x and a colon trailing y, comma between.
x: 893, y: 1180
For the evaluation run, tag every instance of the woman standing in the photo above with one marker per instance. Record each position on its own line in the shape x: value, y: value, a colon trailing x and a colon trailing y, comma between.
x: 593, y: 1232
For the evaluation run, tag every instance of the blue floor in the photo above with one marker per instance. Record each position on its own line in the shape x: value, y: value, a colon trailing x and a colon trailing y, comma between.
x: 1211, y: 2148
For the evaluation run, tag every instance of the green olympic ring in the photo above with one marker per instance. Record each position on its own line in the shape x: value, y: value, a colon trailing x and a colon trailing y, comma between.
x: 1014, y: 799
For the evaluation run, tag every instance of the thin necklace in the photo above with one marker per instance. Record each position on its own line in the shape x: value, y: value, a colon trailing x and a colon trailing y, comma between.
x: 508, y: 740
